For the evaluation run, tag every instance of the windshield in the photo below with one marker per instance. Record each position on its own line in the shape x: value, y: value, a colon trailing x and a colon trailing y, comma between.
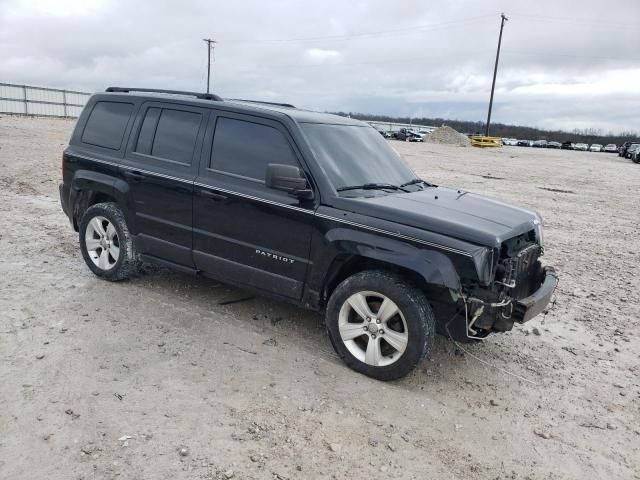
x: 352, y: 155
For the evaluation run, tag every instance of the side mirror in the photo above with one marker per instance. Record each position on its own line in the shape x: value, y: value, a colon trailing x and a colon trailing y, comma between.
x: 288, y: 178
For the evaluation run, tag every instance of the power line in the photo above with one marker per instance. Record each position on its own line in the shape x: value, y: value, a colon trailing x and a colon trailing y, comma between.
x: 422, y: 60
x: 418, y: 60
x: 415, y: 60
x: 365, y: 34
x: 528, y: 53
x: 574, y: 21
x: 424, y: 27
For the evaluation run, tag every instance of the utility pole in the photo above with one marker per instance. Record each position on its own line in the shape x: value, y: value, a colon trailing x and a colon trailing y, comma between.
x: 210, y: 47
x: 495, y: 71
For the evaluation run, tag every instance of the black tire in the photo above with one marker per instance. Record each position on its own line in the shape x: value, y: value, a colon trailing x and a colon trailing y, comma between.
x: 415, y: 310
x: 127, y: 263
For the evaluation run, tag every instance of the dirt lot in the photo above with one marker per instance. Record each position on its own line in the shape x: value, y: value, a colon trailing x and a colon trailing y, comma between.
x: 102, y: 380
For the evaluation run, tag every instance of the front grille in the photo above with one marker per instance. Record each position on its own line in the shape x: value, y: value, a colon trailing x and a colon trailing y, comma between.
x: 523, y: 269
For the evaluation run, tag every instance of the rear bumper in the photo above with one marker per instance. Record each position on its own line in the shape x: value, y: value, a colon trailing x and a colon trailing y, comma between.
x: 64, y: 202
x: 63, y: 199
x: 527, y: 308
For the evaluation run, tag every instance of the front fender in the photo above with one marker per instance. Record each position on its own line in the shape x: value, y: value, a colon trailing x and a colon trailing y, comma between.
x: 434, y: 267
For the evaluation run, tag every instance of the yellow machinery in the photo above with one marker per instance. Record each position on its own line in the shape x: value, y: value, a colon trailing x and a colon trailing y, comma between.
x: 486, y: 141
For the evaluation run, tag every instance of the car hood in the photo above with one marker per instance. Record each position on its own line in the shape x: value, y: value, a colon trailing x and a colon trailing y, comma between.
x: 455, y: 213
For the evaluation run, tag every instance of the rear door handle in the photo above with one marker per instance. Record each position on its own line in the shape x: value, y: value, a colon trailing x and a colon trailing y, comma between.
x: 136, y: 176
x: 212, y: 195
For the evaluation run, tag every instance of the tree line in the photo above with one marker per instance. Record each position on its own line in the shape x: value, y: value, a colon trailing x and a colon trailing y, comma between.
x: 587, y: 135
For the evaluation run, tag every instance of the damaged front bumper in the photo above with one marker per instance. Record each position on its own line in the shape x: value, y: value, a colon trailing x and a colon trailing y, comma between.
x: 527, y: 308
x: 483, y: 317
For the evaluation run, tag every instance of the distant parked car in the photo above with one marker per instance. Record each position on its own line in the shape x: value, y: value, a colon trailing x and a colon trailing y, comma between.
x: 539, y: 144
x: 631, y: 150
x: 384, y: 134
x: 554, y: 145
x: 610, y: 148
x: 581, y: 146
x: 416, y: 137
x: 635, y: 157
x: 406, y: 134
x: 567, y: 145
x: 524, y: 143
x: 595, y: 147
x: 509, y: 141
x: 622, y: 151
x: 622, y: 148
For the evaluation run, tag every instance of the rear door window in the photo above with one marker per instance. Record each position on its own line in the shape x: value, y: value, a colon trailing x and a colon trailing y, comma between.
x: 245, y: 148
x: 169, y: 134
x: 106, y: 124
x: 176, y: 135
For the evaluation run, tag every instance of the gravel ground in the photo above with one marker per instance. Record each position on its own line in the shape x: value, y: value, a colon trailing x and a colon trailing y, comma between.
x: 158, y: 378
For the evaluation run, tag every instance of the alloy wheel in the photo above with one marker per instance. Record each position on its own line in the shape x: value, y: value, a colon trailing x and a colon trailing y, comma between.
x: 373, y: 328
x: 102, y: 243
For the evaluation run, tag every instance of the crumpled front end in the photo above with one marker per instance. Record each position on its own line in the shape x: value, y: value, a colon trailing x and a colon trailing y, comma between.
x: 521, y: 289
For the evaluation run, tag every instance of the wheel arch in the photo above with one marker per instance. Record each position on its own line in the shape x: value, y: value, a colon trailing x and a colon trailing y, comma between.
x: 90, y: 188
x: 426, y: 268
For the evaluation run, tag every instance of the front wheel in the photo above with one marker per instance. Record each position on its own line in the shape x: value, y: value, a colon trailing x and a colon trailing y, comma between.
x: 380, y: 324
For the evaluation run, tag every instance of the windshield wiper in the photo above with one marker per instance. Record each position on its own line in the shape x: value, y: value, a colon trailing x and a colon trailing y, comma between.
x: 372, y: 186
x: 417, y: 180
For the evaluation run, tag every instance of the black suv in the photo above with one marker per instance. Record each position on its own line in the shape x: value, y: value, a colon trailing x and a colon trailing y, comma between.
x: 622, y: 150
x: 311, y: 208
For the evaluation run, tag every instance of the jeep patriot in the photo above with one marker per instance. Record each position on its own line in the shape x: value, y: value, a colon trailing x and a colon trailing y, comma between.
x: 310, y: 208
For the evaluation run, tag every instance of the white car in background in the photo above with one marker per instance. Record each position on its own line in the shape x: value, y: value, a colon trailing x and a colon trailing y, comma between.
x: 596, y: 147
x: 416, y: 137
x: 581, y: 146
x: 510, y: 141
x: 610, y: 148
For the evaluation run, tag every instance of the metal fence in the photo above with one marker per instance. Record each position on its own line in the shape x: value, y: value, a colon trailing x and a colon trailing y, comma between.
x: 52, y: 102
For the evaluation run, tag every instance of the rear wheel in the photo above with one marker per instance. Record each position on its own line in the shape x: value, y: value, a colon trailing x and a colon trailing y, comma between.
x: 105, y: 242
x: 380, y: 324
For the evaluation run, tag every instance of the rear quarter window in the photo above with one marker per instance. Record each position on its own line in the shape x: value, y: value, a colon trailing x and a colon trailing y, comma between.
x: 106, y: 124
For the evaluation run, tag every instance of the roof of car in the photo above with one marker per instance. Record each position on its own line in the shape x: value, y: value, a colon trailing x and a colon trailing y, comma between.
x: 297, y: 114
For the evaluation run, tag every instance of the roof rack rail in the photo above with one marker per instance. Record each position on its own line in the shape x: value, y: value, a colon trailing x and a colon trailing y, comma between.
x: 205, y: 96
x: 288, y: 105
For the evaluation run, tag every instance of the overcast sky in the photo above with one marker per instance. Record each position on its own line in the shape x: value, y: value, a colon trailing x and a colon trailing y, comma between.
x: 564, y: 64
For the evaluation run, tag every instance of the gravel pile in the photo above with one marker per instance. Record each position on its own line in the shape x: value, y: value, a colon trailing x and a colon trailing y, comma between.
x: 449, y: 136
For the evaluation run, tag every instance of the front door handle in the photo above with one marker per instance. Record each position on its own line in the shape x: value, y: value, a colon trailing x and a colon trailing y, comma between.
x: 213, y: 195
